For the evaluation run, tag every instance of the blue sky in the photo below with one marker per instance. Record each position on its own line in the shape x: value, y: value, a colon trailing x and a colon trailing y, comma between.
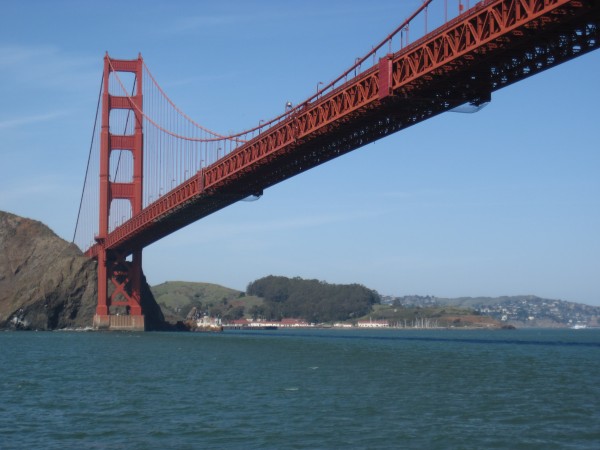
x: 502, y: 202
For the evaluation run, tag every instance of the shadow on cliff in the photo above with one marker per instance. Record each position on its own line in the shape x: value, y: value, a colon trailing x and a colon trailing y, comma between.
x: 47, y: 283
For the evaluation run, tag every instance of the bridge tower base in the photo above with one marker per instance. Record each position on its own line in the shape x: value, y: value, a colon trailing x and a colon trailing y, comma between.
x: 111, y: 322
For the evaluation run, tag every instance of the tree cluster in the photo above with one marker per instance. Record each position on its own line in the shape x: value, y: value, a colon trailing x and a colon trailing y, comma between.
x: 312, y: 300
x: 224, y: 309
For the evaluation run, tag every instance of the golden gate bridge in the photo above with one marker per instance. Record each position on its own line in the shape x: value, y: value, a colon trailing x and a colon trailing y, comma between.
x: 153, y: 170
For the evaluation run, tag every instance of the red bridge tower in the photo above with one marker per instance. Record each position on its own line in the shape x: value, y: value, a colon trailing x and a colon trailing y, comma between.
x: 124, y: 275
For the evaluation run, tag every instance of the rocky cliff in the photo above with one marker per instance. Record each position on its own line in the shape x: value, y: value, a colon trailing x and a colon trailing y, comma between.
x: 46, y: 283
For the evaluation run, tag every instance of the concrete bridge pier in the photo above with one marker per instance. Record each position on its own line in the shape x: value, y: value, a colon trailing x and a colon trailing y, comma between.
x: 109, y: 322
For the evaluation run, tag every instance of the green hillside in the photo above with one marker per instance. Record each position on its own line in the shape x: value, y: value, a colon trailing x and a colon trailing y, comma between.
x: 315, y: 301
x: 177, y: 298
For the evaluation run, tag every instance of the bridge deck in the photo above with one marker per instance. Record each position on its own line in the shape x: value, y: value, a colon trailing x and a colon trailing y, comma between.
x: 497, y: 43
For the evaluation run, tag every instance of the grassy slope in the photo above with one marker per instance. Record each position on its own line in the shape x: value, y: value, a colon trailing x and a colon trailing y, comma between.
x: 176, y: 298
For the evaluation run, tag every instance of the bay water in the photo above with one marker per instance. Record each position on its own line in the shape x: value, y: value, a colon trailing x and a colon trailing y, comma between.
x: 301, y: 389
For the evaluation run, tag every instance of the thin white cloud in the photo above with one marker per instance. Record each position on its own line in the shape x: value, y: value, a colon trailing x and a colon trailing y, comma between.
x: 224, y: 21
x: 41, y: 186
x: 12, y: 56
x: 198, y: 80
x: 46, y: 66
x: 398, y: 194
x: 262, y: 14
x: 28, y: 120
x: 219, y: 230
x: 417, y: 193
x: 192, y: 23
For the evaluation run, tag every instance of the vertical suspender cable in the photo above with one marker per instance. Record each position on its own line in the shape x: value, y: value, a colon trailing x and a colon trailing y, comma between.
x: 125, y: 131
x: 89, y: 157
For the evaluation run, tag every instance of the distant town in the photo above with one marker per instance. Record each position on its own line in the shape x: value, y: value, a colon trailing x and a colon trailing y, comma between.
x: 518, y: 310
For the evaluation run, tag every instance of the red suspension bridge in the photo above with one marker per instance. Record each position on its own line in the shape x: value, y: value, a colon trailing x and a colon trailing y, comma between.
x: 159, y: 170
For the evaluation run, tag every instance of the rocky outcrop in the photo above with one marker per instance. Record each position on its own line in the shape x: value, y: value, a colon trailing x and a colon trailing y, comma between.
x: 46, y: 283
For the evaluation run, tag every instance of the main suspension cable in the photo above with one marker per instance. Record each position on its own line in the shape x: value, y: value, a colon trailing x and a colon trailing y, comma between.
x: 217, y: 137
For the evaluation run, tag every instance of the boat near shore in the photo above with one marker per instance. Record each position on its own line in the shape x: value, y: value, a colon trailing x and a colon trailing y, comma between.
x: 207, y: 324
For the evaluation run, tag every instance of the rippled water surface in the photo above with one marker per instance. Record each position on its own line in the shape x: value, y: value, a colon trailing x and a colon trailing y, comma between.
x: 301, y: 389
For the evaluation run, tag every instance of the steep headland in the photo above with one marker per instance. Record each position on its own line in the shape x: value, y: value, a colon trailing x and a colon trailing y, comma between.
x: 46, y: 283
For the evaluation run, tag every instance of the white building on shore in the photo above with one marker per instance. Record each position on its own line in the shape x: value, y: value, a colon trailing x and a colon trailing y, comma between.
x: 373, y: 324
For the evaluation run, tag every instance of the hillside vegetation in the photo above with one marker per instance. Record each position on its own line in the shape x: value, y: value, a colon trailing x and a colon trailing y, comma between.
x: 276, y: 297
x: 177, y: 298
x: 270, y: 298
x: 313, y: 300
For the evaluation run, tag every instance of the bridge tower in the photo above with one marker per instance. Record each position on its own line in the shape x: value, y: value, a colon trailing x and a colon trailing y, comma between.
x: 122, y: 271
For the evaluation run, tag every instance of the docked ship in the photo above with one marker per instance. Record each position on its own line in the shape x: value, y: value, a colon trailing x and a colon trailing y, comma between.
x: 207, y: 324
x: 203, y: 323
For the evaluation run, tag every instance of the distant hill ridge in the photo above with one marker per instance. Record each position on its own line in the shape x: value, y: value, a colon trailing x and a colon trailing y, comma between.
x: 177, y: 298
x: 520, y: 310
